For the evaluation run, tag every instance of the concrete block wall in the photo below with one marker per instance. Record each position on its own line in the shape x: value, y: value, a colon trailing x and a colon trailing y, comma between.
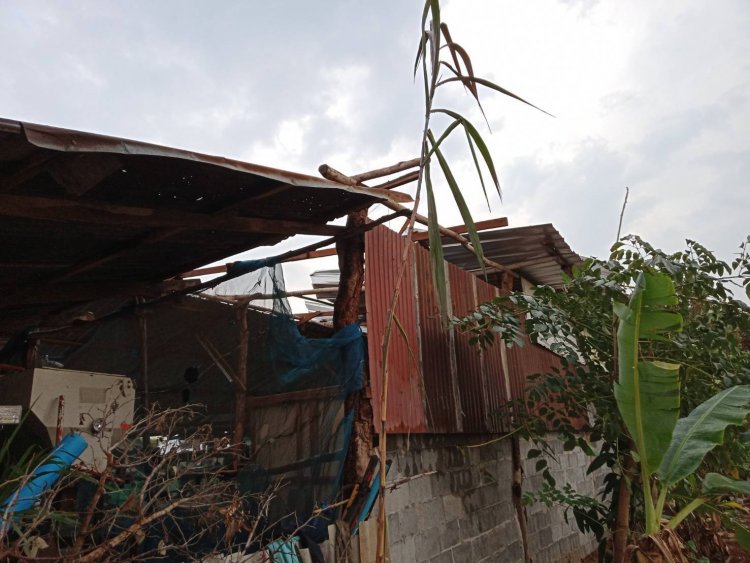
x: 550, y: 537
x: 464, y: 512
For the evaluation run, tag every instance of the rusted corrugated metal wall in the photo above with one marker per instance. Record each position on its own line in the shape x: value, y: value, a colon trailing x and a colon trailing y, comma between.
x: 526, y: 360
x: 438, y: 354
x: 498, y: 388
x: 406, y: 411
x: 444, y: 384
x: 468, y: 359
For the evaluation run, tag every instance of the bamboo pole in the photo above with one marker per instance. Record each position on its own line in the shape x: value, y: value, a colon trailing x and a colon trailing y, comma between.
x: 400, y: 181
x: 388, y: 170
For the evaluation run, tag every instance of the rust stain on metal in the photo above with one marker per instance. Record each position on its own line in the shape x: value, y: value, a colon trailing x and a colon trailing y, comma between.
x: 436, y: 343
x: 495, y: 376
x: 527, y: 360
x: 67, y: 140
x: 405, y: 395
x: 468, y: 359
x: 450, y: 386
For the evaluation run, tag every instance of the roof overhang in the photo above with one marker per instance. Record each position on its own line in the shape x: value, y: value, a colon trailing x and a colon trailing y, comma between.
x: 85, y: 216
x: 539, y: 253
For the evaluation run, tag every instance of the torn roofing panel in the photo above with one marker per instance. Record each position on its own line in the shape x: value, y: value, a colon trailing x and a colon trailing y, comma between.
x: 78, y: 209
x: 66, y: 140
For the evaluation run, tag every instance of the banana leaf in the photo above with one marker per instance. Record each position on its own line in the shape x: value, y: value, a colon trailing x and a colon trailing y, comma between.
x: 647, y: 393
x: 701, y: 431
x: 715, y: 484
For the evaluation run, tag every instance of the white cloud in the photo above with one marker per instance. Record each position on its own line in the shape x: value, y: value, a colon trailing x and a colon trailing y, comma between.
x: 646, y: 94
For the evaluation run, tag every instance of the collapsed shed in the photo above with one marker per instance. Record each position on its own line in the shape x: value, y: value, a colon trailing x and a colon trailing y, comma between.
x: 99, y: 232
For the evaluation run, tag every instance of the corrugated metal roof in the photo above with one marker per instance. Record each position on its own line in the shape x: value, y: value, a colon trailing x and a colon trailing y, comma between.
x: 86, y: 215
x: 538, y: 252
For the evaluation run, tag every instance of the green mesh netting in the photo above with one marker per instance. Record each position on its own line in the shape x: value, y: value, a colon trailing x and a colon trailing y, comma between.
x: 297, y: 424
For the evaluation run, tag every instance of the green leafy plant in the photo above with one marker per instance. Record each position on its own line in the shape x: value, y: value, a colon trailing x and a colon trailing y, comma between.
x: 438, y: 53
x: 578, y: 323
x: 648, y: 398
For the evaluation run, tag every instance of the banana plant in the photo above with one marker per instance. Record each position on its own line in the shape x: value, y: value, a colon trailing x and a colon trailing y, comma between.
x: 668, y: 448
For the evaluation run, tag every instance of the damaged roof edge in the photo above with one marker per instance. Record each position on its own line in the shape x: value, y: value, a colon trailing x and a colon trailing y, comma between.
x: 68, y: 140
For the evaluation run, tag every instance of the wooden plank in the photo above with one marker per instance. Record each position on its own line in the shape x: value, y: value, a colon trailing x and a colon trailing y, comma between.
x: 261, y: 401
x: 387, y: 171
x: 400, y: 181
x: 66, y: 210
x: 222, y: 269
x: 314, y: 254
x: 461, y: 229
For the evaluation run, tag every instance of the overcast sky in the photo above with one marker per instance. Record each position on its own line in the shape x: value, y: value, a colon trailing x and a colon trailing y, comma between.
x: 651, y: 95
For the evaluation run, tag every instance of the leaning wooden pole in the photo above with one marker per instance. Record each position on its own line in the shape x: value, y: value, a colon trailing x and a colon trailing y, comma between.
x: 240, y: 397
x: 143, y: 333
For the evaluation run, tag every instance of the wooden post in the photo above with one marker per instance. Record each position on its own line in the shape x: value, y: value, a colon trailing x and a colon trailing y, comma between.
x: 143, y: 329
x: 351, y: 255
x: 60, y: 414
x: 240, y: 397
x: 517, y: 495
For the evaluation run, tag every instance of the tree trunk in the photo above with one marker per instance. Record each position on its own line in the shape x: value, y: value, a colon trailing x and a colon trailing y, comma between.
x: 622, y: 519
x: 517, y: 495
x: 351, y: 253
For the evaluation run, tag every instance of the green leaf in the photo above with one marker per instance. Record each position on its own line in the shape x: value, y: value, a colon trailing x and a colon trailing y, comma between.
x: 479, y: 170
x: 441, y: 138
x: 647, y: 393
x: 742, y: 535
x: 420, y: 51
x: 65, y: 518
x: 650, y: 405
x: 472, y: 132
x: 437, y: 263
x: 461, y: 204
x: 492, y: 86
x: 596, y: 464
x: 701, y: 431
x: 715, y: 484
x: 435, y: 33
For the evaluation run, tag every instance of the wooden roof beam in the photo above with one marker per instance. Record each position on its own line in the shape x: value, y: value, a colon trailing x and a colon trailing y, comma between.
x: 68, y: 211
x: 82, y: 292
x: 222, y: 268
x: 497, y: 223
